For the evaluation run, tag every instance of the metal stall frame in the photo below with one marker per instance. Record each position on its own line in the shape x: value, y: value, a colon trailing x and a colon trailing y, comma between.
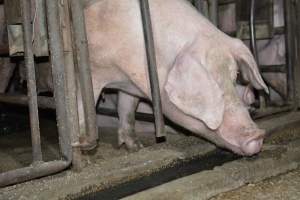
x: 152, y: 68
x: 89, y: 141
x: 63, y: 79
x: 289, y: 68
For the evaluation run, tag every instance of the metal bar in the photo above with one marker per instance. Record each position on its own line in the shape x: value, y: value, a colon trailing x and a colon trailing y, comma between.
x: 270, y: 111
x: 147, y: 117
x: 254, y: 47
x: 253, y: 31
x: 71, y: 91
x: 199, y: 4
x: 297, y: 59
x: 34, y: 171
x: 279, y: 30
x: 31, y: 82
x: 43, y: 102
x: 84, y: 73
x: 290, y: 48
x: 153, y: 76
x: 213, y: 11
x: 273, y: 68
x: 58, y: 75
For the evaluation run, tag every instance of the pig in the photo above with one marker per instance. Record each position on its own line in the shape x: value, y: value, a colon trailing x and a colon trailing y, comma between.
x: 197, y: 69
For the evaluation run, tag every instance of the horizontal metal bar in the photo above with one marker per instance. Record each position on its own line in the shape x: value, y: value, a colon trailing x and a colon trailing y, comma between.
x: 225, y: 2
x: 34, y: 171
x: 279, y: 30
x: 43, y: 102
x: 273, y: 68
x: 268, y: 111
x: 4, y: 50
x: 147, y: 117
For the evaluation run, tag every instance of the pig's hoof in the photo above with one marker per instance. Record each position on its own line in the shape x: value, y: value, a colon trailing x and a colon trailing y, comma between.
x: 129, y: 139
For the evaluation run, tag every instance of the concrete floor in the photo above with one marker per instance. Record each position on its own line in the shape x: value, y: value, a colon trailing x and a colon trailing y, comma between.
x: 112, y: 166
x: 283, y: 187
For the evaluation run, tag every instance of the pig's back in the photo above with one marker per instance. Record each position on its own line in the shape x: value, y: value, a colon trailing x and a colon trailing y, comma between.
x: 115, y: 34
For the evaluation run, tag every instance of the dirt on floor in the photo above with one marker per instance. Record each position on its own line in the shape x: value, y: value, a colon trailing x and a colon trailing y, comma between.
x: 108, y: 165
x: 283, y: 187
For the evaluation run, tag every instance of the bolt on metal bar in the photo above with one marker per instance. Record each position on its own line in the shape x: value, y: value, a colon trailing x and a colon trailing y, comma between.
x: 31, y: 82
x: 84, y: 73
x: 153, y: 76
x: 58, y: 75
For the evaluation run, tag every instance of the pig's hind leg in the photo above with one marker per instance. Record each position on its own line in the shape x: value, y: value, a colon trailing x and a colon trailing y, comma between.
x: 127, y: 105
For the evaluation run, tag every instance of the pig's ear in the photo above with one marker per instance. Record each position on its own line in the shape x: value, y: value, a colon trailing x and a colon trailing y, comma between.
x: 193, y: 90
x: 249, y: 69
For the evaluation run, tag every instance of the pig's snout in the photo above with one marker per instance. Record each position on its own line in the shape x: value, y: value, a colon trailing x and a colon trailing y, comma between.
x: 253, y: 145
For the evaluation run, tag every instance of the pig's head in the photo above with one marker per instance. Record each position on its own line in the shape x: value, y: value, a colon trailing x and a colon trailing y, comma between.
x: 204, y: 88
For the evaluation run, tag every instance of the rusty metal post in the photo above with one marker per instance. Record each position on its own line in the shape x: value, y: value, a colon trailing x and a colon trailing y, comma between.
x: 59, y: 79
x: 31, y: 82
x: 290, y: 40
x: 153, y: 76
x: 84, y: 73
x: 71, y: 91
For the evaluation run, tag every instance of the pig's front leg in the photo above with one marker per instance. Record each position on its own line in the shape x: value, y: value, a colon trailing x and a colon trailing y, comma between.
x: 127, y: 105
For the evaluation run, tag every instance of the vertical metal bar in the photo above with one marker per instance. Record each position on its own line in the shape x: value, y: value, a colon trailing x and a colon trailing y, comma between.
x: 71, y: 91
x: 202, y: 6
x: 290, y: 42
x: 297, y: 54
x: 153, y: 76
x: 253, y: 31
x: 84, y: 72
x: 58, y: 74
x: 31, y: 82
x: 254, y: 46
x: 199, y: 4
x: 213, y: 11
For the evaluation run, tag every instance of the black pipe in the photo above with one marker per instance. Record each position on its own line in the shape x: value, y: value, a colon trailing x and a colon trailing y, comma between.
x: 153, y: 76
x: 58, y: 75
x: 83, y: 65
x: 31, y: 82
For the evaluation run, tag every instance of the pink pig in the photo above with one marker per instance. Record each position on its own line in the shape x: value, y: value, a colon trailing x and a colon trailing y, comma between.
x: 197, y: 68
